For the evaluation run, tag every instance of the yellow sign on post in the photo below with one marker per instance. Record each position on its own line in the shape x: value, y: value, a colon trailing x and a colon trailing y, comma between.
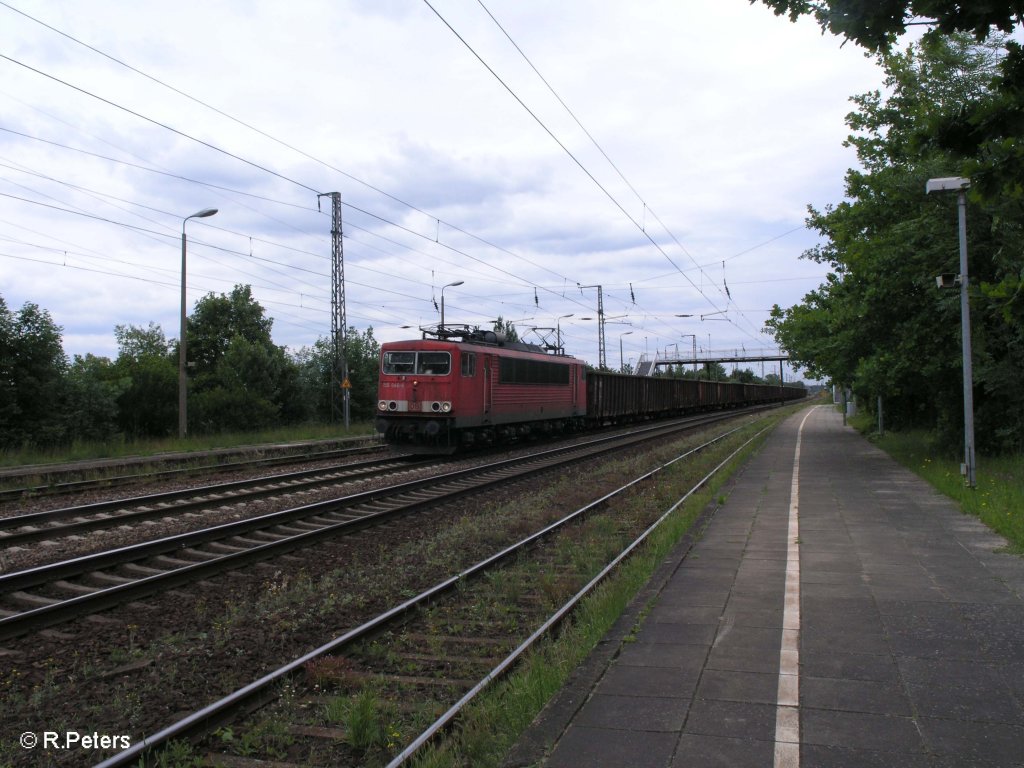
x: 346, y: 384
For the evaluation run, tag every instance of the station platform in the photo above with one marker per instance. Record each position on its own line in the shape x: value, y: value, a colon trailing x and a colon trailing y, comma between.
x: 835, y: 611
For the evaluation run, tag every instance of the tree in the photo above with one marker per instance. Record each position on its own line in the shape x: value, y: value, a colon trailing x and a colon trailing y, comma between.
x: 878, y: 323
x: 148, y: 400
x: 362, y: 353
x: 32, y: 369
x: 92, y: 389
x: 506, y: 327
x: 217, y: 320
x: 744, y: 376
x: 135, y: 343
x: 875, y: 25
x: 9, y: 411
x: 241, y: 393
x: 239, y: 379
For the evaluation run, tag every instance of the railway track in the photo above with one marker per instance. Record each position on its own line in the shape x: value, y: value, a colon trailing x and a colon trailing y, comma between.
x: 421, y: 661
x: 24, y: 529
x: 66, y: 480
x: 49, y: 595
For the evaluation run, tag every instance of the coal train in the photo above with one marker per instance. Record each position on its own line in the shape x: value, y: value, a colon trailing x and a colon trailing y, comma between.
x: 462, y: 387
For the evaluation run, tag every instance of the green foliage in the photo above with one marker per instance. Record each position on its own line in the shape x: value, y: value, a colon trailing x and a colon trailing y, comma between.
x: 32, y: 371
x: 239, y: 392
x: 506, y: 327
x: 148, y: 402
x: 239, y: 380
x: 92, y: 391
x: 217, y: 320
x: 367, y: 718
x: 318, y: 386
x: 875, y: 25
x: 878, y: 323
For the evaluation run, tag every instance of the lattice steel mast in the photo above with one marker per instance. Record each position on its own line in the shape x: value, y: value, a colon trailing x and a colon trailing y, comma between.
x: 339, y: 323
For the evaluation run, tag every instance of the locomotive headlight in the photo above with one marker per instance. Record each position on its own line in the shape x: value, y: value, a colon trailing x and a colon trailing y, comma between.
x: 446, y: 406
x: 382, y: 405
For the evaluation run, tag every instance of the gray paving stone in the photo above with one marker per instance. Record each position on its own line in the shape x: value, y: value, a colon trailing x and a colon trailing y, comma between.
x: 662, y: 682
x: 975, y: 703
x: 717, y: 752
x: 859, y: 730
x: 850, y: 666
x: 742, y: 616
x: 734, y: 637
x: 672, y: 655
x: 743, y: 660
x: 684, y: 614
x: 732, y: 719
x: 821, y: 756
x: 633, y: 713
x: 757, y: 687
x: 683, y: 634
x: 817, y: 640
x: 973, y: 741
x: 873, y: 696
x: 611, y: 748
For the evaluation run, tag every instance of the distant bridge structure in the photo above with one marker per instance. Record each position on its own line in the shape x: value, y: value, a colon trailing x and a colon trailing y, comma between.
x: 647, y: 367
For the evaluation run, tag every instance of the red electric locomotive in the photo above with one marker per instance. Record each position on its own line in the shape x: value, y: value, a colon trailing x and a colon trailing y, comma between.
x: 467, y: 387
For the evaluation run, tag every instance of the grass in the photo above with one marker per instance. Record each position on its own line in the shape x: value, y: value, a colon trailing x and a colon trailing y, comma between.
x: 152, y: 447
x: 998, y: 501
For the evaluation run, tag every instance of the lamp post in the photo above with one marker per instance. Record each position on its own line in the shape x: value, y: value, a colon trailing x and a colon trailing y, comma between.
x: 960, y: 186
x: 182, y: 356
x: 694, y: 337
x: 622, y: 367
x: 450, y: 285
x: 558, y: 332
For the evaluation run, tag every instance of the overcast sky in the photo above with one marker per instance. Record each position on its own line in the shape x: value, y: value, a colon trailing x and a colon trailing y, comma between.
x: 716, y: 121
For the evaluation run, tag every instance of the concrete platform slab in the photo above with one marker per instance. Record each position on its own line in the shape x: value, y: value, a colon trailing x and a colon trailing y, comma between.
x: 901, y: 643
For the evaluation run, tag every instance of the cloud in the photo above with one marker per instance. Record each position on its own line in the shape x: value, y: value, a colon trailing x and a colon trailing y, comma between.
x: 724, y: 120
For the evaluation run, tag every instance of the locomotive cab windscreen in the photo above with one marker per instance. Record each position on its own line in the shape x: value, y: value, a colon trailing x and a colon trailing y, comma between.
x: 418, y: 363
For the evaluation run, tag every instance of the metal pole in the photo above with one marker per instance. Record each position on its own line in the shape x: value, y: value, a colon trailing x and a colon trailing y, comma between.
x: 965, y: 331
x: 182, y: 357
x: 558, y: 332
x: 622, y: 365
x: 450, y: 285
x: 601, y: 357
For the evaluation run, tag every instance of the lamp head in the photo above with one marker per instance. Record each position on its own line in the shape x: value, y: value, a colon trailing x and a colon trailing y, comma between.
x: 946, y: 184
x: 202, y: 214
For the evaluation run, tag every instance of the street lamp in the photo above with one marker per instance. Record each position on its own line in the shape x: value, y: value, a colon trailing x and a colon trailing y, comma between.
x: 622, y: 367
x: 960, y: 186
x: 182, y: 377
x: 694, y: 337
x: 558, y: 332
x: 450, y: 285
